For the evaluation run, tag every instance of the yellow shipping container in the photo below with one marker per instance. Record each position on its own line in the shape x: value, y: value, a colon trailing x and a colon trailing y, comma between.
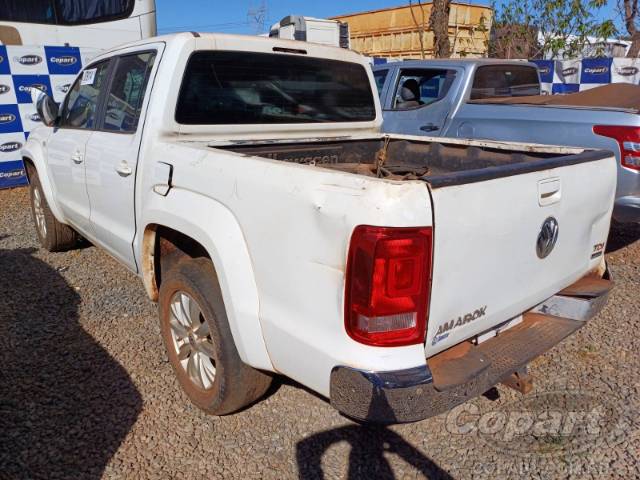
x: 395, y: 32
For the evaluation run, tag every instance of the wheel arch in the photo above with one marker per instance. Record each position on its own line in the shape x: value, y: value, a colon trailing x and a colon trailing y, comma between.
x: 211, y: 227
x: 34, y: 161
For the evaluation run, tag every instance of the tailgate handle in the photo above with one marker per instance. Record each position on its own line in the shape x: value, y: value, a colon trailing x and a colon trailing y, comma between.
x: 549, y: 191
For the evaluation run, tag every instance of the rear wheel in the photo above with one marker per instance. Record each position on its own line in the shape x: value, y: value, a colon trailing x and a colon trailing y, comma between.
x: 52, y: 235
x: 199, y: 343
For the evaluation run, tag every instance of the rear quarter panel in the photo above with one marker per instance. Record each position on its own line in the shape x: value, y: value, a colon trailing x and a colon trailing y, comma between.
x: 296, y: 222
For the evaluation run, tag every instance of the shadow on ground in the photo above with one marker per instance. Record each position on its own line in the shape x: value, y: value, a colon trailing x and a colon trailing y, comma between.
x: 622, y: 235
x: 65, y: 404
x: 370, y: 446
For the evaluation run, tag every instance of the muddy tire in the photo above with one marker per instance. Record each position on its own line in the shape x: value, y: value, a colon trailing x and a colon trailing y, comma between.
x: 200, y: 347
x: 52, y: 235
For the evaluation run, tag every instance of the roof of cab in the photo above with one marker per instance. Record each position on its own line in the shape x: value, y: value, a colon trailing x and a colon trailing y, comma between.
x: 247, y: 43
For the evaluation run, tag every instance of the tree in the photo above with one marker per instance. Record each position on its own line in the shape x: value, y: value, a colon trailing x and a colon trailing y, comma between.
x: 535, y: 28
x: 630, y: 14
x: 419, y: 24
x: 439, y: 24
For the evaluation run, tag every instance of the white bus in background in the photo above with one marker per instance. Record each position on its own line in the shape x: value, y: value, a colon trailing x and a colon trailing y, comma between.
x: 99, y: 24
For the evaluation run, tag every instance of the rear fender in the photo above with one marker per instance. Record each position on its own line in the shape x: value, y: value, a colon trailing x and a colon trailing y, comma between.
x: 213, y: 226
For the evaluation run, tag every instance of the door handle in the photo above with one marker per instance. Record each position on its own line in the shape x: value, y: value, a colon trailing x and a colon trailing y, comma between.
x: 77, y: 157
x: 429, y: 127
x: 123, y: 169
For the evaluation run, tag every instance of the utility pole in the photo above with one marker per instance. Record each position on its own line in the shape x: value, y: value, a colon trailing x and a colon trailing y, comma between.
x: 257, y: 17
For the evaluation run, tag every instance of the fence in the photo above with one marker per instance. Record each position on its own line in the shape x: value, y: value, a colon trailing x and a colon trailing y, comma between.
x: 569, y: 76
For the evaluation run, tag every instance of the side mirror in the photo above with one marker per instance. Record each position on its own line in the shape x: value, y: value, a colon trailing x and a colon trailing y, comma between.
x: 45, y: 106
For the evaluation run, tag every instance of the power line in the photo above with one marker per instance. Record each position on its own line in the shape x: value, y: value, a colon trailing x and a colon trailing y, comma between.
x: 208, y: 26
x: 257, y: 16
x: 212, y: 26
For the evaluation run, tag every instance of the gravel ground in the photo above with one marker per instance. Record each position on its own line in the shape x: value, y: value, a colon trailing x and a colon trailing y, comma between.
x: 86, y: 392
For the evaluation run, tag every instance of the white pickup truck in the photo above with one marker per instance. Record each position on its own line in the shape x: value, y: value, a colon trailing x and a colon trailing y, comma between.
x: 246, y: 181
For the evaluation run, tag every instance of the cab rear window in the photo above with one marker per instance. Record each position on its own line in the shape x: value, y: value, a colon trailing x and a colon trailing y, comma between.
x: 492, y: 81
x: 234, y: 88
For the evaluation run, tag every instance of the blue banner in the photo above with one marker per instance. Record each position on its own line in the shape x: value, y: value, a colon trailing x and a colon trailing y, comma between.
x: 63, y: 60
x: 565, y: 88
x: 23, y: 84
x: 4, y: 61
x: 12, y: 174
x: 596, y: 70
x: 546, y: 69
x: 10, y: 119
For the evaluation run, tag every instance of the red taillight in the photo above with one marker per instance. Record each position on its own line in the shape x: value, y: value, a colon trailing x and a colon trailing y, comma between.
x: 628, y: 139
x: 388, y: 284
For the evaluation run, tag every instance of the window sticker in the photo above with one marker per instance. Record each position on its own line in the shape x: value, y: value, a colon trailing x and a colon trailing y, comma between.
x: 88, y: 76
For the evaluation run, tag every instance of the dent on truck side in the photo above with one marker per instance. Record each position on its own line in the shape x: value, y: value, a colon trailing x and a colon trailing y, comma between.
x: 293, y: 224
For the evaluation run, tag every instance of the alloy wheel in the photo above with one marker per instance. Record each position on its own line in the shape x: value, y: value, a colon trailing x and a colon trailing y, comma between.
x: 192, y: 340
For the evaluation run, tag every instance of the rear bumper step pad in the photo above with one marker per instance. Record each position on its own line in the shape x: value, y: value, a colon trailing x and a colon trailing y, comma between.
x: 465, y: 370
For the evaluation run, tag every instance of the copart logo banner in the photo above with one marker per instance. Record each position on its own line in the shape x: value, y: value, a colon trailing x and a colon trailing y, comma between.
x: 596, y: 70
x: 63, y: 60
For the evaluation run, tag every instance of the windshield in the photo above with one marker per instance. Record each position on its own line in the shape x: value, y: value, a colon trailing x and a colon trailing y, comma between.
x: 232, y: 88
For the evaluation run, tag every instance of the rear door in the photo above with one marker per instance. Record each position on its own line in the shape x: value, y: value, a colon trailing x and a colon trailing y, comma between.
x: 66, y: 148
x: 418, y: 103
x: 488, y: 267
x: 112, y: 153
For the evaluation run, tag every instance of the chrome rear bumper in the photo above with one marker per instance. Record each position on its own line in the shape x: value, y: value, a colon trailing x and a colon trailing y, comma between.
x: 465, y: 370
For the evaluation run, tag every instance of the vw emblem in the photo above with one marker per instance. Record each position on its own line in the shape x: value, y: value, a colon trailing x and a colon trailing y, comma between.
x: 547, y: 237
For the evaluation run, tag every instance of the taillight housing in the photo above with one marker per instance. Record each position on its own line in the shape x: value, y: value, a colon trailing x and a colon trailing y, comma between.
x: 628, y: 139
x: 388, y: 281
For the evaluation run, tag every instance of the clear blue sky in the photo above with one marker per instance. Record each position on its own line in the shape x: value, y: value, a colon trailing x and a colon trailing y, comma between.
x: 231, y: 15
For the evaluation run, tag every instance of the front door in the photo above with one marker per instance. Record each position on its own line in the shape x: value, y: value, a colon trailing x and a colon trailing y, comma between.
x: 112, y: 155
x: 66, y: 148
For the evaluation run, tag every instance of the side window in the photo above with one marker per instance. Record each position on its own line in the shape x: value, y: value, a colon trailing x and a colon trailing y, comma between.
x: 505, y: 81
x: 64, y: 12
x: 72, y: 12
x: 380, y: 76
x: 30, y: 11
x: 81, y: 104
x: 418, y: 87
x: 126, y: 92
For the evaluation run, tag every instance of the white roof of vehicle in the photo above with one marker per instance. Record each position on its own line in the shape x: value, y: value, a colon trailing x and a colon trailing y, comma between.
x: 252, y: 43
